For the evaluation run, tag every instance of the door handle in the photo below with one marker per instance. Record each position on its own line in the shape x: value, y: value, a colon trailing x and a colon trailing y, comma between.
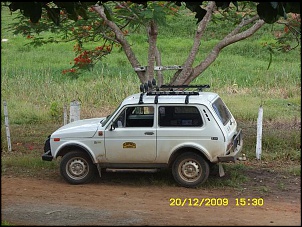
x: 149, y: 133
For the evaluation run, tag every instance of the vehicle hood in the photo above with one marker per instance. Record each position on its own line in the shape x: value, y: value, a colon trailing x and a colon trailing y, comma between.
x: 78, y: 129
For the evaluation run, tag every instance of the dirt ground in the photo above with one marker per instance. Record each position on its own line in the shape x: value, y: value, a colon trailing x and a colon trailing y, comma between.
x: 117, y: 199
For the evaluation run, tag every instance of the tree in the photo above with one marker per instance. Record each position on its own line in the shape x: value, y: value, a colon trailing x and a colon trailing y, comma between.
x: 111, y: 20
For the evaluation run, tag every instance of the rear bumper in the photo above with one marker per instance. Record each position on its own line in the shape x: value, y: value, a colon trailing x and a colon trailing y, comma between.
x: 235, y: 149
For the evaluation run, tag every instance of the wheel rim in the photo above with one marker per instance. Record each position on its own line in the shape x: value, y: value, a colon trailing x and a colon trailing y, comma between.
x: 189, y: 170
x: 77, y: 168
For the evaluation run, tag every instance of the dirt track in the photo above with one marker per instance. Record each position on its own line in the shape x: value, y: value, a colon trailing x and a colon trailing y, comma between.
x: 34, y: 201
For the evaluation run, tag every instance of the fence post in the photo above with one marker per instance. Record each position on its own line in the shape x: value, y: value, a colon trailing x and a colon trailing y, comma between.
x: 7, y: 127
x: 74, y: 111
x: 259, y: 133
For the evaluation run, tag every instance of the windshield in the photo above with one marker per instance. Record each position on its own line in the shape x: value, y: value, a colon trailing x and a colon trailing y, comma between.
x: 222, y: 111
x: 104, y: 122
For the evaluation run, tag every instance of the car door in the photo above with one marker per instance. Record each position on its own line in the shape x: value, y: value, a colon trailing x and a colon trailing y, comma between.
x: 132, y: 137
x: 187, y: 125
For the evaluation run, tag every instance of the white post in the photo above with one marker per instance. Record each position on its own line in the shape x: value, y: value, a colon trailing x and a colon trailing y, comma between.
x: 259, y: 133
x: 7, y: 127
x: 65, y: 114
x: 74, y: 111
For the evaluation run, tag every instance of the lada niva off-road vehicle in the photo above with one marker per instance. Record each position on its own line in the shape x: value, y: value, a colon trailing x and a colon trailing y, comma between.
x: 182, y: 128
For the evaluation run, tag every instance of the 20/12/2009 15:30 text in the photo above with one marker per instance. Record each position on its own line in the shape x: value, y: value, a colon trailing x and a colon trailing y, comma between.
x: 198, y: 202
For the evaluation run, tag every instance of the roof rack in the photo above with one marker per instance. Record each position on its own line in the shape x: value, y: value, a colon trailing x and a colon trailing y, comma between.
x: 199, y: 87
x: 158, y: 68
x: 150, y: 89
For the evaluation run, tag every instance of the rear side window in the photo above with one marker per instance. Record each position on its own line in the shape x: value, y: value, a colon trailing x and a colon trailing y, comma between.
x: 221, y: 110
x: 179, y: 116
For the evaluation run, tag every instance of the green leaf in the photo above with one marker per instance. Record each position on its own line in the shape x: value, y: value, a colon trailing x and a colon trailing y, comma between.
x: 236, y: 4
x: 107, y: 12
x: 271, y: 51
x: 82, y: 12
x: 270, y: 60
x: 148, y: 14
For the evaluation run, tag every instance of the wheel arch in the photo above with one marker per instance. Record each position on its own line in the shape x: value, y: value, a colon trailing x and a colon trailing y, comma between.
x: 185, y: 149
x: 70, y: 147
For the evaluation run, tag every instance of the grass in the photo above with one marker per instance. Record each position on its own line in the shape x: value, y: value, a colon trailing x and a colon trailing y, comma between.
x: 234, y: 177
x: 6, y: 223
x: 36, y: 91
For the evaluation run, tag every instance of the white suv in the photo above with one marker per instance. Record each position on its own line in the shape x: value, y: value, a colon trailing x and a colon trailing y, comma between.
x: 178, y: 127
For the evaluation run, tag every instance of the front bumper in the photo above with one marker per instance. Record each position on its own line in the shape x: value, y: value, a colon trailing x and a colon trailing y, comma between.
x: 235, y: 149
x: 47, y: 156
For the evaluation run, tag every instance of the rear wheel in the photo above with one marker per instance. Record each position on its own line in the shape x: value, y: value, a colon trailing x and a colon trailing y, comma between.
x: 77, y: 168
x: 190, y: 169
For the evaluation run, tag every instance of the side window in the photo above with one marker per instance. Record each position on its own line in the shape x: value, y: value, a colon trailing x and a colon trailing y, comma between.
x: 120, y: 122
x: 179, y: 116
x: 136, y: 116
x: 221, y: 111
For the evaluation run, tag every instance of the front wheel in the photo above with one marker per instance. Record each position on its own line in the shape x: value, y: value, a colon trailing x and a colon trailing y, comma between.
x: 76, y: 167
x: 190, y: 169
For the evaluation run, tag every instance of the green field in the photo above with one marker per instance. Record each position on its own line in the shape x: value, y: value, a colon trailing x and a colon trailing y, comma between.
x: 36, y: 91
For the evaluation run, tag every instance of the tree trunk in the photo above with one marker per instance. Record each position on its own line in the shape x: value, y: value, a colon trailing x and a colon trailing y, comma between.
x: 152, y: 37
x: 188, y: 73
x: 159, y: 79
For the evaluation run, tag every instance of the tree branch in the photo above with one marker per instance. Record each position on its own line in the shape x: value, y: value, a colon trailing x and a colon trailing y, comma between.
x: 178, y: 79
x: 121, y: 39
x: 228, y: 40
